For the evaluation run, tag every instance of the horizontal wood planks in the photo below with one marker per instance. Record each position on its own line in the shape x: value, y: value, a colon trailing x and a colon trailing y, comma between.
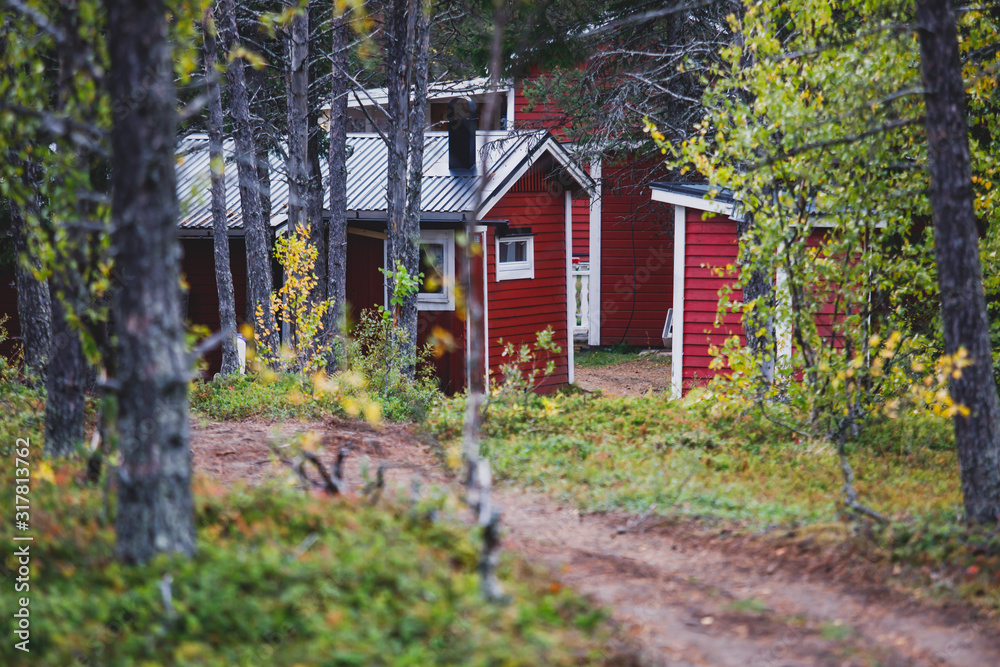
x: 712, y: 245
x: 637, y: 260
x: 202, y: 297
x: 518, y: 309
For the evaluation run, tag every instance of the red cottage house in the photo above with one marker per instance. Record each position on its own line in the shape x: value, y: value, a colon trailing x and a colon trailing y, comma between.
x: 523, y: 223
x: 705, y: 239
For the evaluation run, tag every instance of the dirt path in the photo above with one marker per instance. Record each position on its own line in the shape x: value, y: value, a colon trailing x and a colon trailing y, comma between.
x: 649, y: 372
x: 686, y: 599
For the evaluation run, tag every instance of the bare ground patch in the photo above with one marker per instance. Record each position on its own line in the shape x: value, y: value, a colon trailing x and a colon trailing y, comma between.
x: 649, y: 372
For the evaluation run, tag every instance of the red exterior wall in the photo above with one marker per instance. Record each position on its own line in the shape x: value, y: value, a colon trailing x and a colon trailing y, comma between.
x: 711, y: 243
x: 8, y: 308
x: 637, y: 263
x: 518, y: 309
x: 202, y: 298
x: 365, y: 289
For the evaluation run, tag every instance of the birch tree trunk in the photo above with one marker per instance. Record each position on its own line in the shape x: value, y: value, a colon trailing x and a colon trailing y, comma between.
x: 155, y: 510
x: 34, y: 309
x: 336, y: 248
x: 257, y: 226
x: 220, y: 221
x: 956, y: 246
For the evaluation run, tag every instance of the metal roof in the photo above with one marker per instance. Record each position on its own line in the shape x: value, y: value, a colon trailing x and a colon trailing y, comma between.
x: 443, y: 191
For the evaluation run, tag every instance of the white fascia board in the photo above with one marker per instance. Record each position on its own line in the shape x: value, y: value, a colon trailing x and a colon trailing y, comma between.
x: 687, y: 201
x: 548, y: 144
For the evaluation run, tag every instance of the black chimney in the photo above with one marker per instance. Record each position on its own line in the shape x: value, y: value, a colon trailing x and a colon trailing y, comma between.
x: 462, y: 133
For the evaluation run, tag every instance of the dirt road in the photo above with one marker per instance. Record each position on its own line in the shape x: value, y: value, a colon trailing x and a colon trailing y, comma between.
x: 688, y: 597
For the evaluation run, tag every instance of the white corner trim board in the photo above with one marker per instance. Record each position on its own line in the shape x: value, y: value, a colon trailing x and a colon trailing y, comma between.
x: 594, y: 326
x: 677, y: 344
x: 570, y: 291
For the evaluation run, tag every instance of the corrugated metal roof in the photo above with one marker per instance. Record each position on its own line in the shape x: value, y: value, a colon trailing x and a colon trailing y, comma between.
x: 443, y: 191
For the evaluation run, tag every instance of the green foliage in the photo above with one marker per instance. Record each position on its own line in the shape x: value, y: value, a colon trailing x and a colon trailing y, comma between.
x: 815, y: 118
x: 21, y: 407
x: 294, y: 304
x: 521, y: 370
x: 282, y: 579
x: 403, y: 284
x: 376, y: 352
x: 630, y: 453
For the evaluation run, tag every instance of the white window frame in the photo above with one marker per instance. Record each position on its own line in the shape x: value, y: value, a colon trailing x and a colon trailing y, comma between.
x: 445, y: 300
x: 516, y: 270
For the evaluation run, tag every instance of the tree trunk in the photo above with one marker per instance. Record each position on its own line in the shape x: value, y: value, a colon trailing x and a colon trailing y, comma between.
x: 402, y: 242
x: 315, y: 194
x: 297, y: 96
x: 65, y: 383
x: 956, y: 247
x: 155, y: 510
x: 259, y: 278
x: 757, y: 285
x: 34, y: 308
x: 415, y: 167
x: 220, y: 217
x: 336, y: 248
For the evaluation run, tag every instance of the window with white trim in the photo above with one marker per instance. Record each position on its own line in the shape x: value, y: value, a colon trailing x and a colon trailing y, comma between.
x: 515, y: 256
x: 437, y: 263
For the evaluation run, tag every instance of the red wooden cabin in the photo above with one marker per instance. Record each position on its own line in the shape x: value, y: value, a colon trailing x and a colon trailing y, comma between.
x: 524, y: 224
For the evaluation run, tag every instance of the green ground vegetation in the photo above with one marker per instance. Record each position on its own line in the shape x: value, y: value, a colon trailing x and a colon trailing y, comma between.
x: 683, y: 461
x: 280, y: 578
x: 601, y: 357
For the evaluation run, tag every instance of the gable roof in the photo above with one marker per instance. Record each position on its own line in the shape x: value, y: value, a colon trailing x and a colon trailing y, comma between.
x: 445, y: 194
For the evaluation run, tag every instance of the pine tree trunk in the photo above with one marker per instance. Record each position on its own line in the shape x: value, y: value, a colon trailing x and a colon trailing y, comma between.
x: 336, y: 248
x: 402, y: 243
x: 65, y: 383
x: 258, y: 231
x: 956, y: 247
x: 314, y: 207
x: 297, y: 97
x: 155, y: 509
x: 220, y: 217
x: 34, y: 308
x: 414, y: 177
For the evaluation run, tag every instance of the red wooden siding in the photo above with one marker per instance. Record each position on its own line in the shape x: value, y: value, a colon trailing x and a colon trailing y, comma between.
x: 526, y: 116
x: 365, y: 289
x: 518, y: 309
x: 202, y: 298
x: 8, y: 308
x: 637, y: 262
x: 581, y: 228
x: 711, y: 244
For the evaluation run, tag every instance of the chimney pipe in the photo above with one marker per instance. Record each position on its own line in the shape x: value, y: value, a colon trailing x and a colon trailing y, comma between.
x: 462, y: 123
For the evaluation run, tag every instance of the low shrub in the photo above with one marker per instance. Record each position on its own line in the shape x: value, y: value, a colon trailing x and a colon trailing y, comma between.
x: 281, y: 578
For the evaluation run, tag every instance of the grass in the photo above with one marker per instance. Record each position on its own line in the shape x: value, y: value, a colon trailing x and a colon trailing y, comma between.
x: 633, y: 453
x: 602, y: 357
x: 283, y: 578
x: 285, y: 396
x: 671, y: 458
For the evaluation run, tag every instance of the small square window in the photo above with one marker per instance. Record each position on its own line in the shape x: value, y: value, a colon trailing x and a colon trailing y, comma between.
x: 515, y: 257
